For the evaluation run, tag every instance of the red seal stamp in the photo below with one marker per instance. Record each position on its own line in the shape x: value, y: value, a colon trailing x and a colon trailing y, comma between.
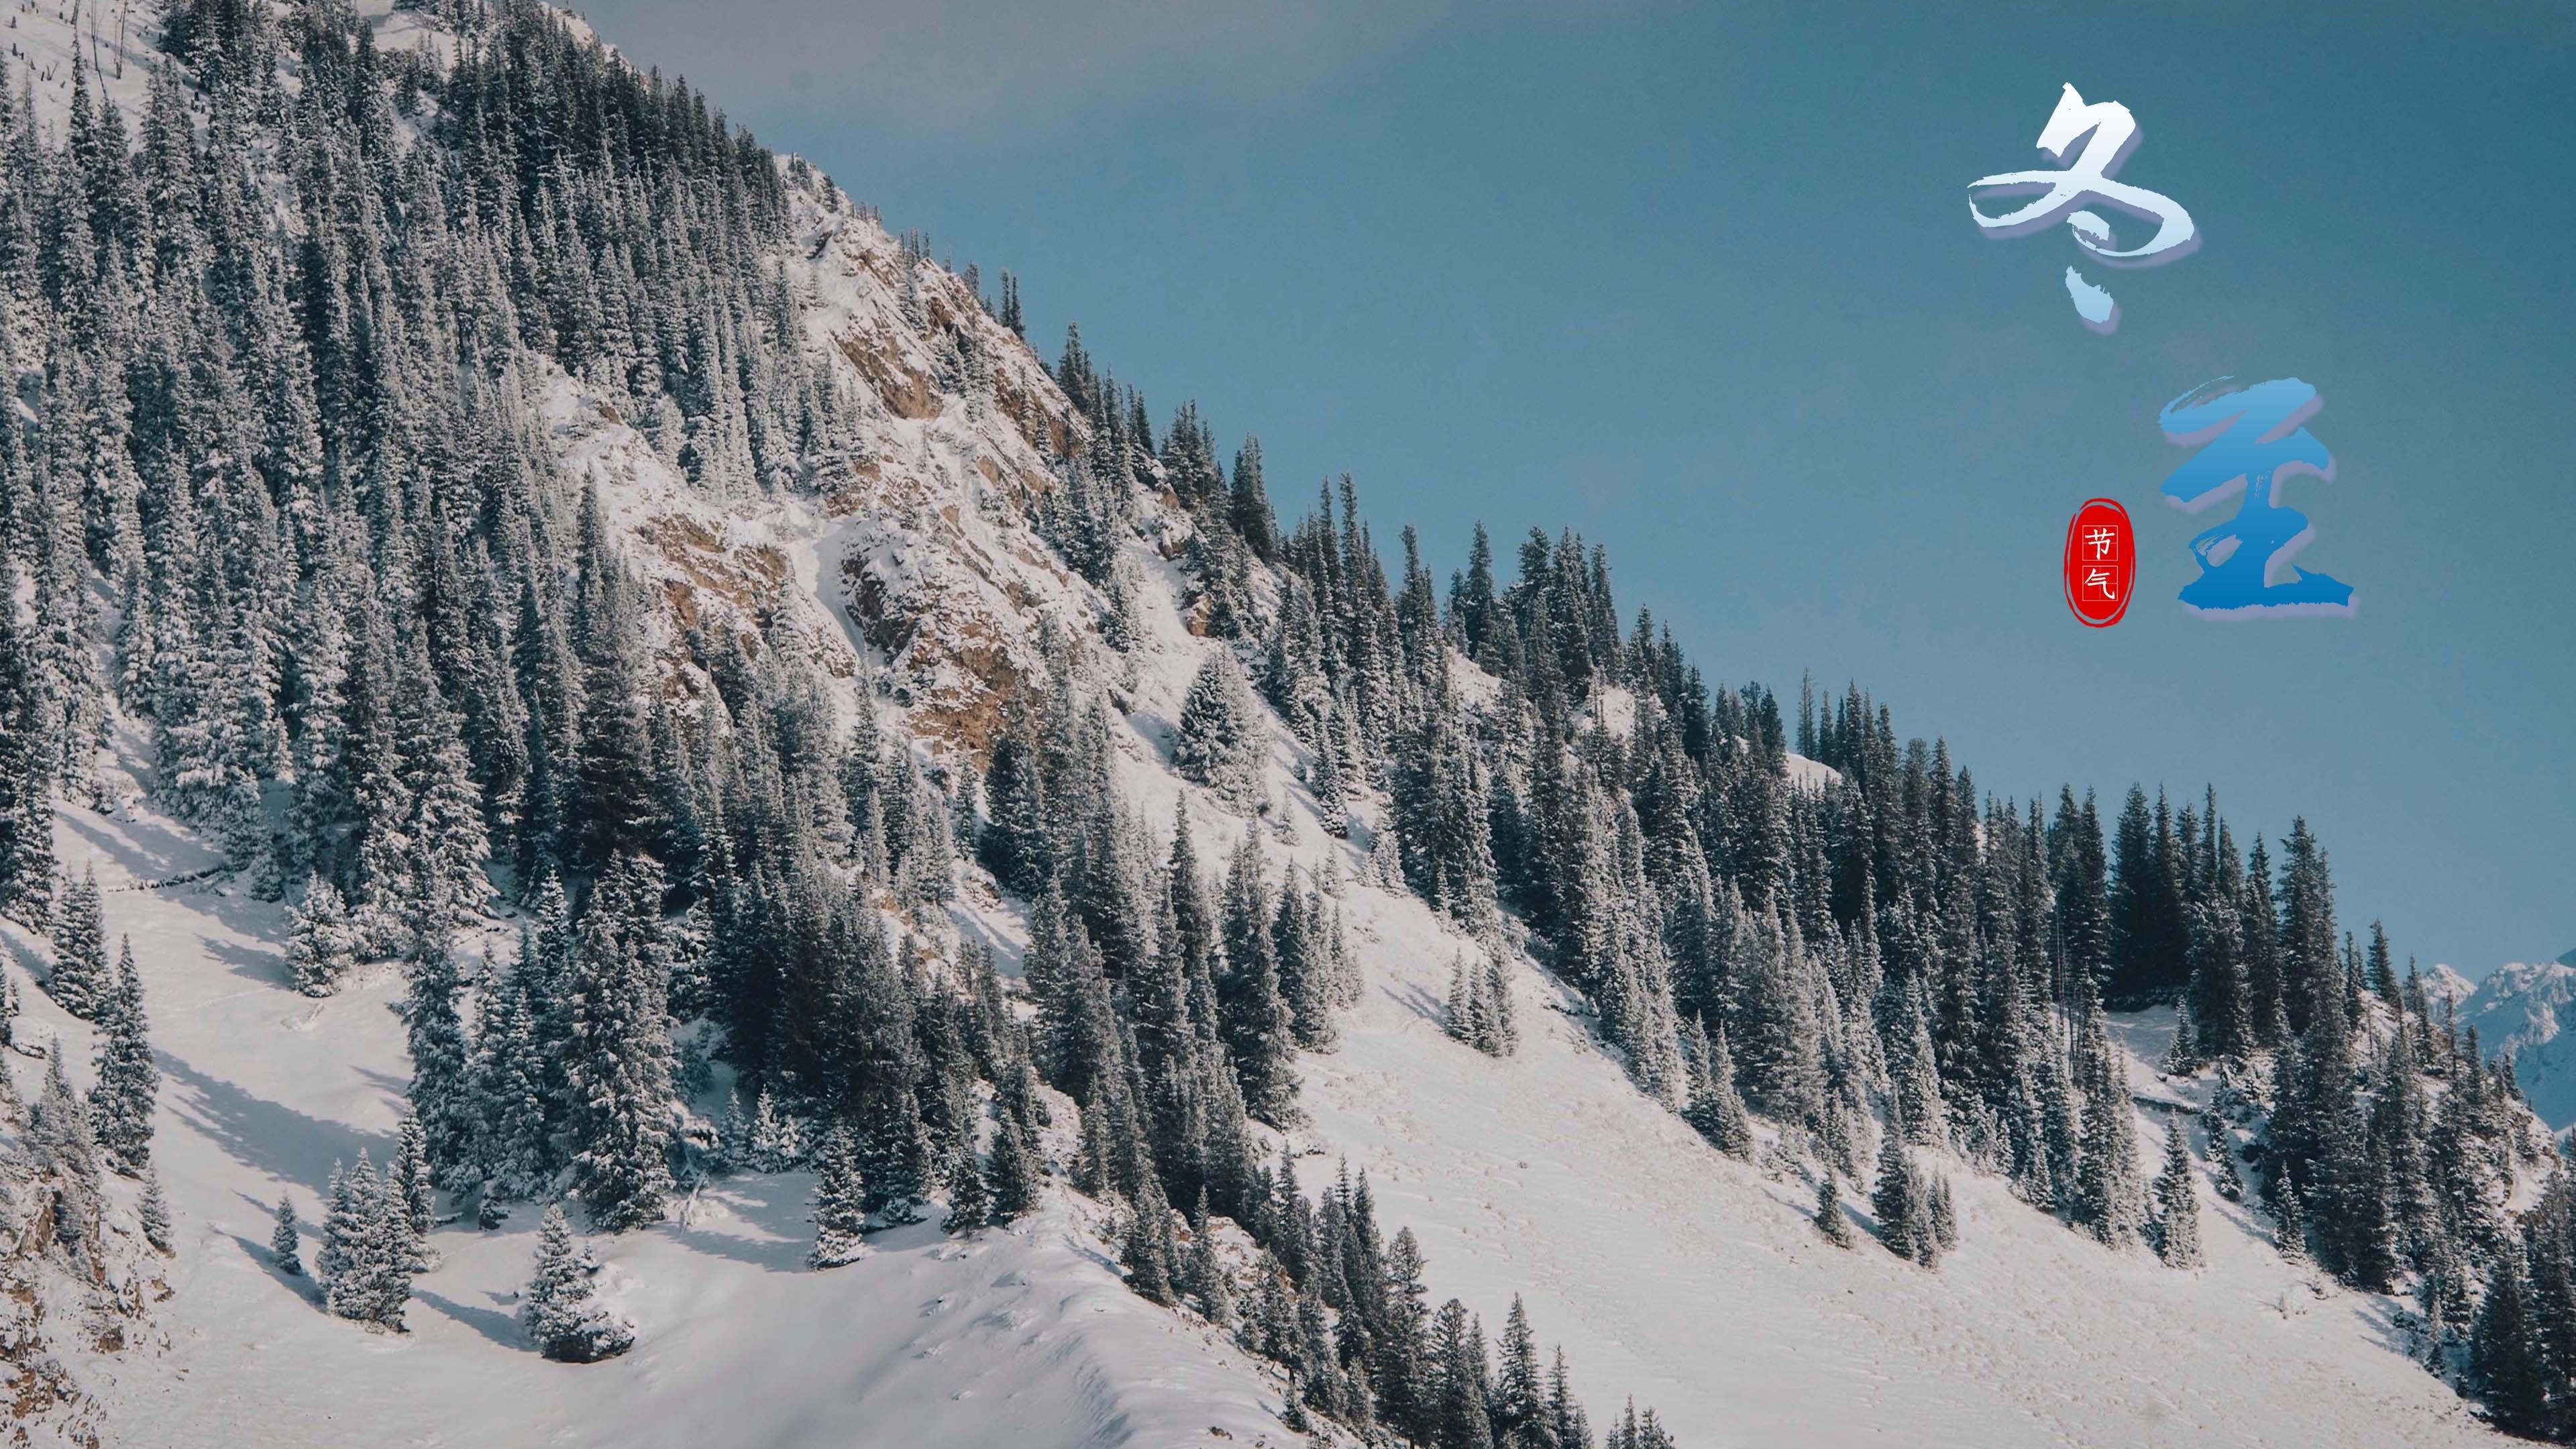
x: 2101, y: 563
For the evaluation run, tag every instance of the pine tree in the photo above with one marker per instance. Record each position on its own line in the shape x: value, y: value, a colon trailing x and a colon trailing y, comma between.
x: 1258, y: 1027
x: 1519, y: 1405
x: 321, y: 947
x: 1017, y: 1178
x: 515, y: 1152
x: 80, y: 983
x: 120, y: 1103
x: 1830, y: 1219
x: 2107, y: 1192
x: 285, y: 1244
x: 775, y: 1143
x: 1570, y: 1428
x: 840, y: 1209
x: 443, y: 1080
x: 1897, y: 1201
x: 620, y: 1070
x: 559, y: 1310
x: 2504, y: 1359
x: 1221, y: 742
x: 970, y: 1197
x: 1204, y: 1275
x: 413, y: 1198
x: 366, y: 1258
x: 1500, y: 1021
x: 2290, y: 1224
x: 2177, y: 1197
x: 1460, y: 1387
x: 1945, y: 1215
x: 27, y: 866
x: 155, y: 1213
x: 2222, y: 1156
x: 1145, y: 1247
x: 893, y: 1154
x: 1715, y: 1109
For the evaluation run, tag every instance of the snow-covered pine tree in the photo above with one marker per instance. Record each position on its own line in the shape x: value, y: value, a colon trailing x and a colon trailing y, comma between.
x: 80, y: 982
x: 1499, y: 1016
x: 1017, y: 1177
x: 154, y: 1211
x: 1773, y: 1025
x: 286, y: 1241
x: 120, y: 1101
x: 442, y: 1062
x: 894, y: 1154
x: 1518, y: 1406
x: 621, y: 1051
x: 366, y: 1259
x: 1220, y: 742
x: 1464, y: 1011
x: 970, y: 1196
x: 1568, y: 1425
x: 321, y: 946
x: 1258, y: 1027
x: 27, y: 866
x: 2290, y: 1224
x: 2177, y: 1197
x: 1830, y: 1218
x: 2222, y: 1156
x: 1204, y: 1275
x: 515, y: 1152
x: 840, y: 1202
x: 559, y: 1308
x: 1897, y: 1201
x: 1145, y: 1246
x: 1715, y: 1110
x: 411, y: 1193
x: 776, y: 1143
x: 2109, y: 1202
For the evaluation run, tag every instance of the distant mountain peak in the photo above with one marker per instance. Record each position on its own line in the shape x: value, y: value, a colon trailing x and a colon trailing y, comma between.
x: 2526, y: 1009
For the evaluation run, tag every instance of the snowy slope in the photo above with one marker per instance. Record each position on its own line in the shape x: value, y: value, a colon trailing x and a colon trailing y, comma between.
x: 1696, y: 1283
x: 1018, y: 1337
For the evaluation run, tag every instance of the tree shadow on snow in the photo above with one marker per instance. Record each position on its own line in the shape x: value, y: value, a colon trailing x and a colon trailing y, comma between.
x: 397, y: 1088
x: 501, y: 1328
x: 1006, y: 954
x: 267, y: 968
x: 299, y: 1284
x: 270, y: 1136
x: 149, y: 852
x: 773, y: 1210
x: 1158, y: 733
x: 1420, y: 1002
x: 38, y: 966
x: 2379, y: 1318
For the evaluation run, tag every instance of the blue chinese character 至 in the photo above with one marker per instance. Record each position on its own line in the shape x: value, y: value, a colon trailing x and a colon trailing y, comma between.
x: 2255, y: 437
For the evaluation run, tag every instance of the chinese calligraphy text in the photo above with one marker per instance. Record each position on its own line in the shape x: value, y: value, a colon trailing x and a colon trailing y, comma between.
x: 2250, y: 439
x: 2109, y: 134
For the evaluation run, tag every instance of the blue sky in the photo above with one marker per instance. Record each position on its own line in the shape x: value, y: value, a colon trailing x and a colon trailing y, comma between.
x: 1701, y: 282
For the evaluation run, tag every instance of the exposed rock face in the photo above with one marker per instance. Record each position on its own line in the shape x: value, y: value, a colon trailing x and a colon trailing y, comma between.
x: 77, y: 1279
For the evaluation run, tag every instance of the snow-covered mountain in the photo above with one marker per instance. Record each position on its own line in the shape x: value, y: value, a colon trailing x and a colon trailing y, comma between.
x: 2524, y: 1010
x: 912, y: 566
